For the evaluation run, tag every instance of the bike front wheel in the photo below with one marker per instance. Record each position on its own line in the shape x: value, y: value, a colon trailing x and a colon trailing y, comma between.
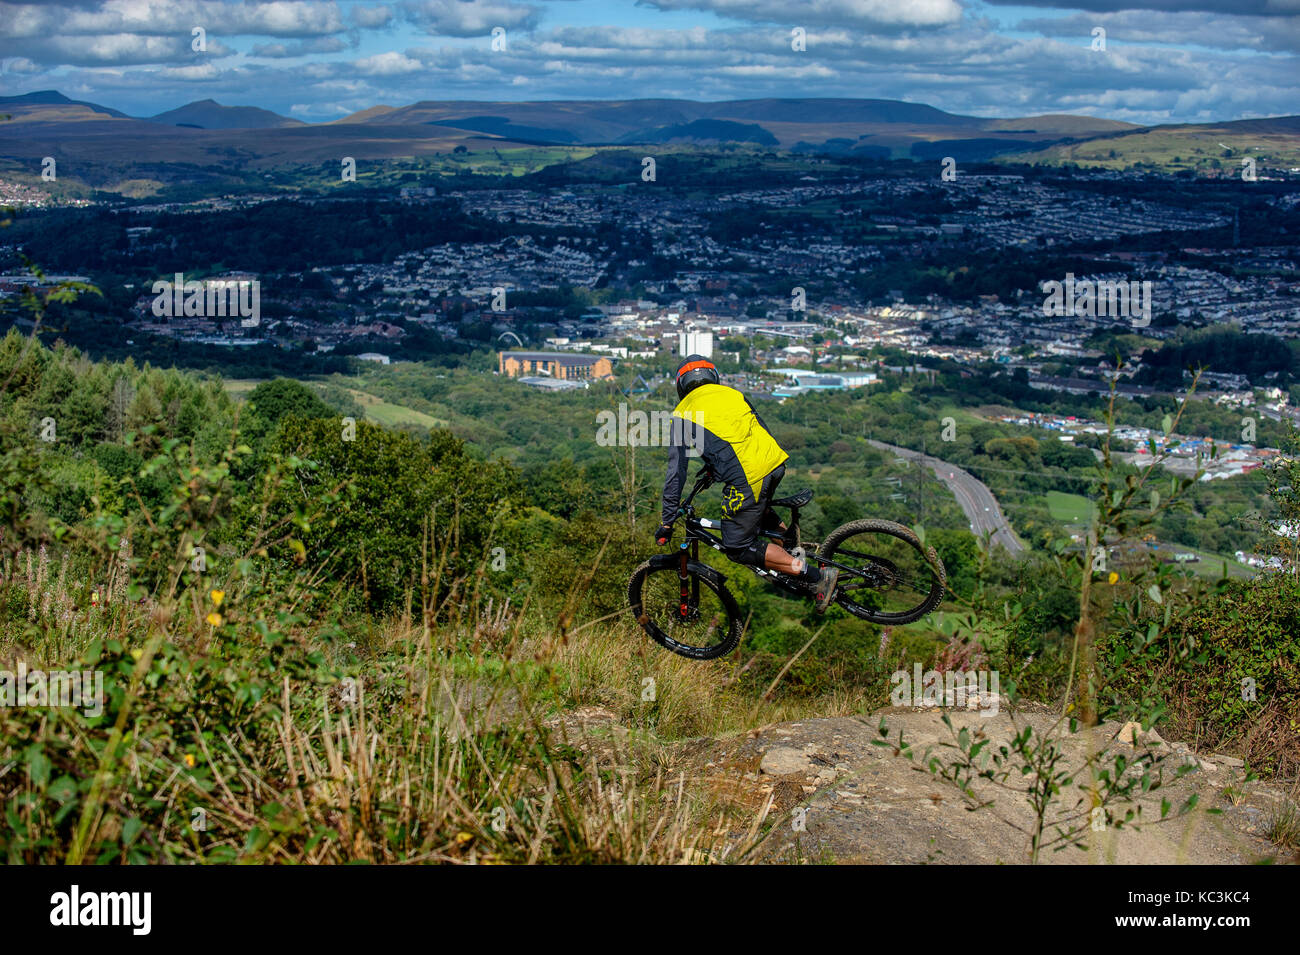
x: 887, y: 575
x: 696, y: 618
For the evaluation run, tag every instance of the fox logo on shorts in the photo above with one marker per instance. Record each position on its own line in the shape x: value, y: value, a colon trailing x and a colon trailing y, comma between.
x: 732, y: 499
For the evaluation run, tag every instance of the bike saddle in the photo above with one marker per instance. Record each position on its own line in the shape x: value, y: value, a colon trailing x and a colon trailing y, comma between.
x: 795, y: 500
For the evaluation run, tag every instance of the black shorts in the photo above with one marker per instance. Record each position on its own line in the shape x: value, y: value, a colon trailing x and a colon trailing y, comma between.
x: 742, y: 518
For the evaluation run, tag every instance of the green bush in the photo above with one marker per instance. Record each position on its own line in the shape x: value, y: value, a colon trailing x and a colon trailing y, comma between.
x: 1249, y: 630
x: 401, y: 501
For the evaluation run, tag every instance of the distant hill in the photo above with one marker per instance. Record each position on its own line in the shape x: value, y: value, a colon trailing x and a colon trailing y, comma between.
x: 209, y: 114
x: 626, y: 121
x: 704, y: 131
x: 968, y: 150
x: 839, y: 111
x: 501, y: 126
x: 864, y: 127
x: 1059, y: 124
x: 1272, y: 143
x: 46, y: 98
x: 365, y: 115
x: 872, y: 127
x: 207, y: 133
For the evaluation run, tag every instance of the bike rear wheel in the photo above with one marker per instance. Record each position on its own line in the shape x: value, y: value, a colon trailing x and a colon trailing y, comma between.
x: 703, y: 624
x: 887, y: 575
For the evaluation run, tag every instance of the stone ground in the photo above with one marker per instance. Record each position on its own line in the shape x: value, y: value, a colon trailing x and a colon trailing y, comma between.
x: 864, y: 804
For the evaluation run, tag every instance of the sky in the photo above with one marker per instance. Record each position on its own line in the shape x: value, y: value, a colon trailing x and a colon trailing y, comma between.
x: 1142, y: 61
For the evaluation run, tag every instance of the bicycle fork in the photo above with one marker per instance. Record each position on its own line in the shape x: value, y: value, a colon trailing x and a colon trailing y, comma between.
x: 688, y: 586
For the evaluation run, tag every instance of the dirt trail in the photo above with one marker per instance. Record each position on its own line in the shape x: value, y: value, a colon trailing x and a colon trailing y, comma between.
x: 866, y: 805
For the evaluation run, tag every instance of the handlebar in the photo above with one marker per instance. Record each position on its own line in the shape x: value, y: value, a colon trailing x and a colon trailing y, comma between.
x: 703, y: 480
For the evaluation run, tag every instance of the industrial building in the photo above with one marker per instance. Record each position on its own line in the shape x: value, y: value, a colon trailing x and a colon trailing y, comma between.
x: 568, y: 366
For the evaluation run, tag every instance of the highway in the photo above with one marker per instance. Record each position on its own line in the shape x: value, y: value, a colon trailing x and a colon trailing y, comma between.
x: 976, y: 500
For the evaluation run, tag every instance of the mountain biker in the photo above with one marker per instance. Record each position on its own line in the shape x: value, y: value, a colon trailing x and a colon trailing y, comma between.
x: 726, y: 431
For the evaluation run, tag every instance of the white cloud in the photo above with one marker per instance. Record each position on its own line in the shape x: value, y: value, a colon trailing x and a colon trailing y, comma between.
x: 1266, y: 8
x: 190, y: 74
x: 1134, y: 27
x: 112, y: 49
x: 910, y: 13
x: 372, y: 17
x: 279, y: 51
x: 160, y: 18
x: 22, y: 65
x: 466, y: 18
x: 1158, y: 68
x: 387, y: 64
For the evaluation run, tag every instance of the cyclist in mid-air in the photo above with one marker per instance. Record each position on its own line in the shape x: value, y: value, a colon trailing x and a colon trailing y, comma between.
x: 734, y: 443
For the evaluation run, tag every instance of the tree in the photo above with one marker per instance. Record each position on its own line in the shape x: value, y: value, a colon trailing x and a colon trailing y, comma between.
x: 397, y: 495
x: 273, y: 401
x: 118, y: 407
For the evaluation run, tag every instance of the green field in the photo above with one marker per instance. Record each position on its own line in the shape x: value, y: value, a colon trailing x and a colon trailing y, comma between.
x: 392, y: 416
x: 1198, y: 148
x: 1069, y: 508
x: 240, y: 387
x: 1210, y: 566
x: 516, y: 161
x: 377, y: 410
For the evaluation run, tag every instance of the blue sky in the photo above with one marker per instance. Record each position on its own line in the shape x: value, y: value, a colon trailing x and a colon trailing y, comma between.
x: 1163, y: 61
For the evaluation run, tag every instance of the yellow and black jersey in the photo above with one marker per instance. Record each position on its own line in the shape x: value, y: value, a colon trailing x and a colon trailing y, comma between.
x: 722, y: 426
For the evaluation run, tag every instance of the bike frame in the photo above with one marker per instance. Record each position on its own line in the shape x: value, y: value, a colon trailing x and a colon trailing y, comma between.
x: 879, y: 574
x: 697, y: 532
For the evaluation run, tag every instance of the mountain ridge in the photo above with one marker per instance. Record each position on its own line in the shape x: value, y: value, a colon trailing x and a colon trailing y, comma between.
x: 209, y: 114
x: 206, y: 132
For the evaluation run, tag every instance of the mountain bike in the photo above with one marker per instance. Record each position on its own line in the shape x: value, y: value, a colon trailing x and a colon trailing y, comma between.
x: 887, y: 576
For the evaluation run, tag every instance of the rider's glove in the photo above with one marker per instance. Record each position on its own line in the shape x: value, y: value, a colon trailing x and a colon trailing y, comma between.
x: 664, y: 534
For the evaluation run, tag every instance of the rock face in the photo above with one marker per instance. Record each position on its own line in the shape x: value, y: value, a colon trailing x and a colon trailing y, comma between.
x: 837, y: 797
x: 785, y: 760
x: 828, y: 793
x: 1132, y: 733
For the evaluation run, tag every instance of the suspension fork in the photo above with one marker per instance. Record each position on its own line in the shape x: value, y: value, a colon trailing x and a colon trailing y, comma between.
x: 688, y: 586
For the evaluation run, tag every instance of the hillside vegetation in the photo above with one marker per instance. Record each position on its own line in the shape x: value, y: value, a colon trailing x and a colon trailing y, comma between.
x: 324, y: 640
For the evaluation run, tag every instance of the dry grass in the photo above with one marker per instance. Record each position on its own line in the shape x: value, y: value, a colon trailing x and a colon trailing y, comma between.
x: 434, y: 744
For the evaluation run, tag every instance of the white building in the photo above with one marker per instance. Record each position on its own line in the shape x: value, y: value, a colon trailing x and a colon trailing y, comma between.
x: 695, y: 342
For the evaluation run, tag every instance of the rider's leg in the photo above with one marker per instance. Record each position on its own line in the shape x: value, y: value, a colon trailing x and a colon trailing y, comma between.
x: 742, y: 517
x: 777, y: 558
x: 771, y: 519
x: 740, y: 538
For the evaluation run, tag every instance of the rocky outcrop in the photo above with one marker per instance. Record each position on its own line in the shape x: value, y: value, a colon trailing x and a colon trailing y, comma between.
x: 830, y: 793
